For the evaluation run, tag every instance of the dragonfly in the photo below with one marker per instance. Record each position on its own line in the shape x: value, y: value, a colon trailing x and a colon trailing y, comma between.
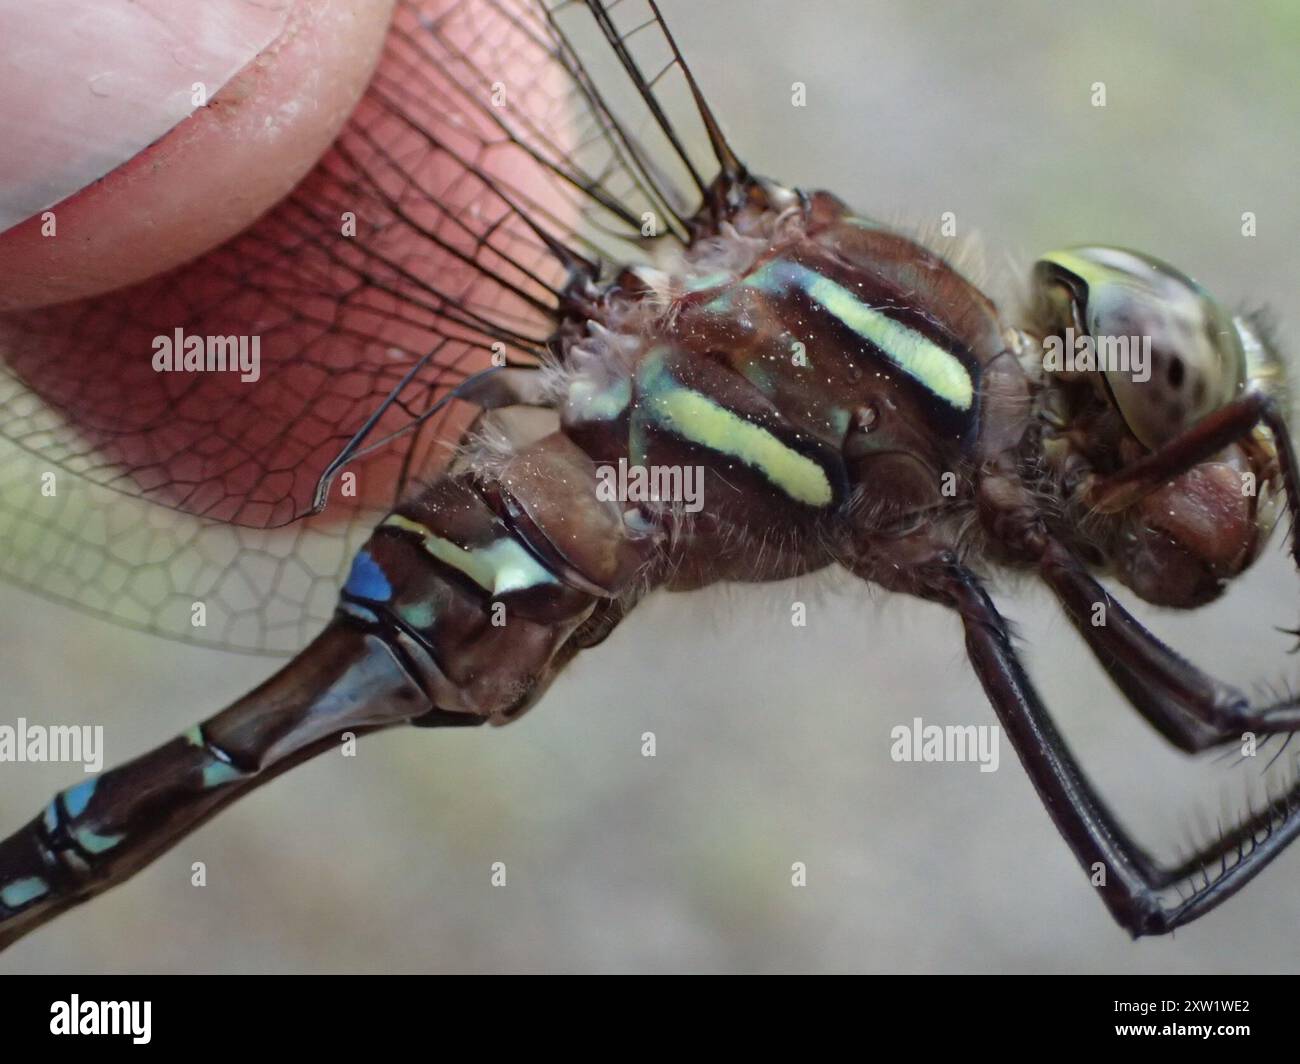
x: 650, y: 301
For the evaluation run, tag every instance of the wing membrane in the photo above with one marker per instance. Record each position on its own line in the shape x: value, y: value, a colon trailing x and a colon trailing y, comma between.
x: 470, y: 201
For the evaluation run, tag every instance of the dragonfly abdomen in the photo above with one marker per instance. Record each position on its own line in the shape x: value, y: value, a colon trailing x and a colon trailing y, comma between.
x: 487, y: 582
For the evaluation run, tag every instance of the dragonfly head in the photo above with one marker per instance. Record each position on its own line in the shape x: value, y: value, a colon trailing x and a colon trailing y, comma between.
x: 1136, y: 354
x: 1166, y: 349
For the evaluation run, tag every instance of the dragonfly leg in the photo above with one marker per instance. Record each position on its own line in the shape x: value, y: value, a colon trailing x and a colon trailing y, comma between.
x: 509, y: 386
x: 1192, y: 709
x: 1130, y: 882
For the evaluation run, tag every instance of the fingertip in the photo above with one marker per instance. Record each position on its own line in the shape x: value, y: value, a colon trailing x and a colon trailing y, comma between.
x: 210, y: 176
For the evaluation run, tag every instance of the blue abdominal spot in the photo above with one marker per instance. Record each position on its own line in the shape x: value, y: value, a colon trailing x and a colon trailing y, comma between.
x: 367, y: 580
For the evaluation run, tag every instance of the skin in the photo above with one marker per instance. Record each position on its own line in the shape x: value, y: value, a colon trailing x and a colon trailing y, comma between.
x: 211, y: 175
x: 130, y: 242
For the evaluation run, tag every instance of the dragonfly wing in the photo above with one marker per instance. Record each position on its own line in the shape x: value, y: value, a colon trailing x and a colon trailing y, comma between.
x: 482, y: 180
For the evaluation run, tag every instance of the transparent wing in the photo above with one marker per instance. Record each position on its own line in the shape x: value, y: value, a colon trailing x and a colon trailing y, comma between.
x: 471, y: 201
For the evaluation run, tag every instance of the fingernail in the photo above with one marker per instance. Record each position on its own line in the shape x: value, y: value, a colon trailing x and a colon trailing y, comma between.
x: 88, y: 84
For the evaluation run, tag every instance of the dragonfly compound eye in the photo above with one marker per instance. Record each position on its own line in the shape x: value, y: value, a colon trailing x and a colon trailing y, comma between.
x: 1169, y: 352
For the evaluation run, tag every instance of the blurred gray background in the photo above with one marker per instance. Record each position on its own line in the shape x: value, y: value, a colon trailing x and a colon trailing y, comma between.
x: 773, y: 741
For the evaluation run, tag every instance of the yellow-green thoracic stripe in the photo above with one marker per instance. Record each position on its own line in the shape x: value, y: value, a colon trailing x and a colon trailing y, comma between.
x: 696, y: 418
x: 504, y: 565
x: 939, y: 371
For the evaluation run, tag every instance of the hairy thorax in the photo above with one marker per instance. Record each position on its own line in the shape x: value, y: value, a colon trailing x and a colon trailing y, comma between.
x: 832, y: 382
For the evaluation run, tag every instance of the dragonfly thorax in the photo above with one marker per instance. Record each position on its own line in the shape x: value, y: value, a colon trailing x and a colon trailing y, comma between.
x: 810, y: 362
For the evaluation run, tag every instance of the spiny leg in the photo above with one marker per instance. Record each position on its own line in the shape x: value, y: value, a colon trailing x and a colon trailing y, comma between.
x: 1133, y: 880
x: 1189, y: 707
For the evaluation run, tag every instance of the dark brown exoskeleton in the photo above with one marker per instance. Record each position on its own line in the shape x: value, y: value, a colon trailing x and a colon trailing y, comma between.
x: 845, y: 396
